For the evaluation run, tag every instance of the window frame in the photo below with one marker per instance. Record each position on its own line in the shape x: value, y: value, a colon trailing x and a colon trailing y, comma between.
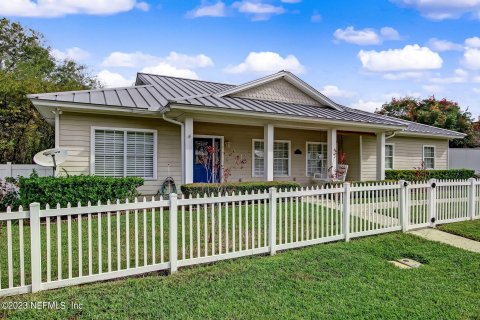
x: 125, y: 130
x: 393, y: 156
x: 253, y: 158
x: 274, y: 141
x: 306, y: 155
x: 434, y: 155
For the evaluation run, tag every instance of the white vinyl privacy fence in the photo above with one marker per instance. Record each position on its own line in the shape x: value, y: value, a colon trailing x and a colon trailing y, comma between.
x: 23, y: 170
x: 46, y: 248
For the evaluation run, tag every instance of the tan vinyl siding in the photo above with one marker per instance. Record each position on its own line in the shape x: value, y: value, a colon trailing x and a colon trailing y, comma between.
x: 75, y: 130
x: 369, y: 158
x: 350, y: 144
x: 408, y: 154
x: 240, y: 139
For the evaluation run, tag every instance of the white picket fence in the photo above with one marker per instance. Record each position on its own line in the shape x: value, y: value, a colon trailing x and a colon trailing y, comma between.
x: 46, y: 248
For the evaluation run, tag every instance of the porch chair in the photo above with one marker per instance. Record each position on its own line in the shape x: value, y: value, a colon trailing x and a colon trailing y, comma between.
x: 339, y: 175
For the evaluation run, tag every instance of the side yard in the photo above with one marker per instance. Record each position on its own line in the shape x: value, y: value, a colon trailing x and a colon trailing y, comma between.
x: 336, y: 280
x: 467, y: 229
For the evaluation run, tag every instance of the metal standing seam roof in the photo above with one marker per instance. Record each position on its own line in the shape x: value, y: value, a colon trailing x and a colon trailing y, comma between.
x: 155, y: 93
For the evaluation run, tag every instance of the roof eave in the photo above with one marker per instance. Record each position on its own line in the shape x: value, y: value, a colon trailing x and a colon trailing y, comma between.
x: 430, y: 135
x: 94, y: 108
x: 188, y: 107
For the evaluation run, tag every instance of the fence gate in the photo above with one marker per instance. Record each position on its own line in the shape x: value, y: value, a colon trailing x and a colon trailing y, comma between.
x: 432, y: 202
x: 419, y: 204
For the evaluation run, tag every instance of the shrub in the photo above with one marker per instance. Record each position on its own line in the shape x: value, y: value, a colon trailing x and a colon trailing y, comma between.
x: 412, y: 175
x: 74, y: 189
x: 209, y: 188
x: 9, y: 195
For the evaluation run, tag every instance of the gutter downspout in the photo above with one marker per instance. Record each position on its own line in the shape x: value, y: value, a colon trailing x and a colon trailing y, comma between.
x: 182, y: 143
x: 391, y: 136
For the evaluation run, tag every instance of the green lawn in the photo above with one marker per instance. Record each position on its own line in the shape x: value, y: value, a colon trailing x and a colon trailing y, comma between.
x: 336, y: 281
x: 207, y: 242
x: 467, y: 229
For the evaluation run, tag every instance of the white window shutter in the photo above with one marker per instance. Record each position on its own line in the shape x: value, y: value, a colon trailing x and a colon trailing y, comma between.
x: 109, y: 153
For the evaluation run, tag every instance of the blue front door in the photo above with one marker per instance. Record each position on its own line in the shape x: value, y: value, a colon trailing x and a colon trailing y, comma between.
x: 207, y: 160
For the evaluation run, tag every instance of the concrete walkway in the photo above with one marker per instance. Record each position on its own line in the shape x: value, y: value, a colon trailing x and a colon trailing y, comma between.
x: 448, y: 238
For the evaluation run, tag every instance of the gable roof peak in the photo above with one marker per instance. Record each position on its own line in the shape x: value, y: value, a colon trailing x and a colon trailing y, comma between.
x: 290, y: 78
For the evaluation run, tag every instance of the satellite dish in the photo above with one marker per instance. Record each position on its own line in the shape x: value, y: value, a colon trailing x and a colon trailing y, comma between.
x: 51, y: 158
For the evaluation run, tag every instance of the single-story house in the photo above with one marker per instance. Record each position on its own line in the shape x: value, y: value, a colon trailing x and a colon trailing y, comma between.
x: 274, y: 128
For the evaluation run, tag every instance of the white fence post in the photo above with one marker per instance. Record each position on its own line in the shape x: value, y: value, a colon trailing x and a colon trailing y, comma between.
x: 272, y: 226
x: 346, y: 211
x: 172, y: 233
x: 35, y: 248
x: 9, y: 172
x: 402, y: 206
x: 432, y: 203
x: 471, y: 198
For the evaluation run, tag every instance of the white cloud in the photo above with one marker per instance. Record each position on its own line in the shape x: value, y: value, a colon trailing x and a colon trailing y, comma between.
x: 142, y: 6
x: 74, y: 53
x: 476, y: 79
x: 361, y: 37
x: 471, y: 59
x: 57, y: 8
x: 409, y: 58
x: 336, y: 92
x: 473, y: 42
x: 266, y: 62
x: 367, y: 105
x: 459, y: 76
x: 316, y: 17
x: 208, y: 10
x: 443, y: 9
x: 404, y: 75
x: 367, y: 36
x: 112, y: 79
x: 443, y: 45
x: 432, y: 89
x: 185, y: 61
x: 476, y: 90
x: 388, y: 33
x: 140, y: 59
x: 258, y: 10
x: 168, y: 70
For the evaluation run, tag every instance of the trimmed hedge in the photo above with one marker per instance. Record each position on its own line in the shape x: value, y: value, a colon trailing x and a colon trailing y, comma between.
x: 209, y: 188
x: 74, y: 189
x: 414, y: 175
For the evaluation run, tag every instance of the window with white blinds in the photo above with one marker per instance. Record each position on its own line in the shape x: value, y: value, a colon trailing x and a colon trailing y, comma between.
x: 122, y: 153
x: 281, y: 158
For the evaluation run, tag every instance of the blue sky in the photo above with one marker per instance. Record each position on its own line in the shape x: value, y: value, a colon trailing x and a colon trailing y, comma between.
x: 360, y: 53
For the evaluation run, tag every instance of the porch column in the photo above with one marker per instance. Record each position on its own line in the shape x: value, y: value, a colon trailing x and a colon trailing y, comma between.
x: 381, y: 156
x: 332, y: 150
x: 188, y: 147
x: 268, y: 137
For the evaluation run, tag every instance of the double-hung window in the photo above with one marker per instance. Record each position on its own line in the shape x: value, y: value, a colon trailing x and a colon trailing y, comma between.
x: 124, y: 153
x: 258, y: 158
x: 389, y: 156
x: 316, y: 158
x: 429, y: 157
x: 281, y: 158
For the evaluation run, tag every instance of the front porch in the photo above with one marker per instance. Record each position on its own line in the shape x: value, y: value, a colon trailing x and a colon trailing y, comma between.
x: 276, y: 151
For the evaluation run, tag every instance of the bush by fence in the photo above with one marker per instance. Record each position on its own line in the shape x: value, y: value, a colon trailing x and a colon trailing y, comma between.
x: 74, y: 189
x: 195, y: 189
x: 416, y: 175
